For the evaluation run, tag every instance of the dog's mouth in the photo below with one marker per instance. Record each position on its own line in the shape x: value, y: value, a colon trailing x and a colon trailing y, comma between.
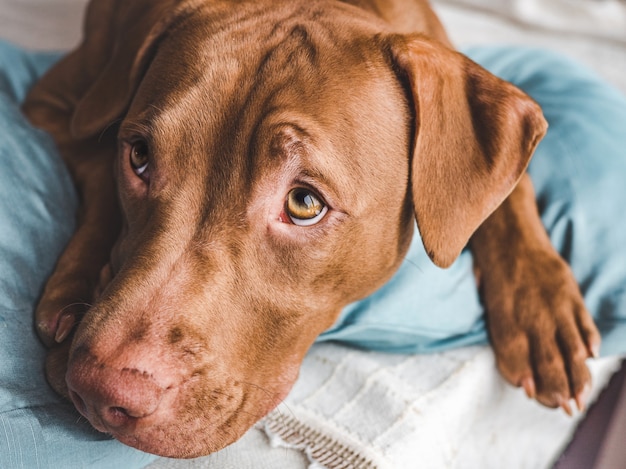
x: 181, y: 438
x: 184, y: 421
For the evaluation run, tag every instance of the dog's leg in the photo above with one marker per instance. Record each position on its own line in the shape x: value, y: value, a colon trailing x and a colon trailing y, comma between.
x: 69, y: 291
x: 538, y: 324
x: 50, y: 106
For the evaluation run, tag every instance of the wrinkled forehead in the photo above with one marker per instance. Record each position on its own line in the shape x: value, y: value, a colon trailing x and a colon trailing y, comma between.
x: 227, y: 57
x: 226, y: 77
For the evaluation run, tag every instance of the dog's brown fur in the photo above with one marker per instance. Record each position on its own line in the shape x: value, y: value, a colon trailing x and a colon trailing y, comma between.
x: 206, y: 296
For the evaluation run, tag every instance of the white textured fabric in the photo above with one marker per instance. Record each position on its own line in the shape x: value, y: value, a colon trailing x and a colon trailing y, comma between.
x: 444, y: 410
x: 42, y: 24
x: 577, y: 17
x: 591, y: 31
x: 422, y: 411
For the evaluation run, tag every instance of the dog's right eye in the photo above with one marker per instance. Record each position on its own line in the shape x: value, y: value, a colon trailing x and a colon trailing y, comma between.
x: 304, y: 207
x: 140, y: 159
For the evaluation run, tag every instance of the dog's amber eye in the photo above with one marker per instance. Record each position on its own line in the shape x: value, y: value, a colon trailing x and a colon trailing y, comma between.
x: 304, y: 208
x: 139, y: 158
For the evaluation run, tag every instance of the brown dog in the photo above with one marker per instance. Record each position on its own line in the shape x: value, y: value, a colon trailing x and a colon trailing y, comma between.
x: 246, y: 170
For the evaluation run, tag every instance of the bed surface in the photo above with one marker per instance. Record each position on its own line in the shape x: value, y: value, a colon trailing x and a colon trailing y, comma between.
x: 450, y: 409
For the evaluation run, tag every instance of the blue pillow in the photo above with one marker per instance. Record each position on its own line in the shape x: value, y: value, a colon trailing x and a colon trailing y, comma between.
x: 37, y: 204
x: 579, y: 173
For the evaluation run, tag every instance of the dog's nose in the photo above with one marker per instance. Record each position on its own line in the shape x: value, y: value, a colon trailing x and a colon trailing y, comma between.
x: 112, y: 399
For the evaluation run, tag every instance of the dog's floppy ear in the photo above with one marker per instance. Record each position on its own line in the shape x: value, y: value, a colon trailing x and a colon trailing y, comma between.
x: 474, y: 136
x: 119, y: 41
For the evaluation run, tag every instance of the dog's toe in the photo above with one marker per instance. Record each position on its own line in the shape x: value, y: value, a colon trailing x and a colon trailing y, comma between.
x: 513, y: 360
x: 55, y: 319
x: 550, y: 373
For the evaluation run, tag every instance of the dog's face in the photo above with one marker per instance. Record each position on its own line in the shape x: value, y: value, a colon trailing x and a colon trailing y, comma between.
x: 266, y: 179
x: 248, y: 225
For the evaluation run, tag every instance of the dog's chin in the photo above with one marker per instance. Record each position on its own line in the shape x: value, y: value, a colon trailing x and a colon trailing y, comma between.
x: 182, y: 445
x: 183, y: 435
x: 56, y: 367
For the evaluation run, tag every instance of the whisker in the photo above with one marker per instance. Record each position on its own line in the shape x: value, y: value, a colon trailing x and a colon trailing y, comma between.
x: 414, y: 264
x: 272, y: 395
x: 111, y: 124
x: 78, y: 303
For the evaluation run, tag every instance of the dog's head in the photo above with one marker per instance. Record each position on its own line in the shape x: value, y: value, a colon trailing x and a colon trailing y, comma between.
x: 272, y: 161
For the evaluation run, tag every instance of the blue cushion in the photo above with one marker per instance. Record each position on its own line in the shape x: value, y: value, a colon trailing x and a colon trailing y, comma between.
x: 37, y: 205
x: 577, y: 170
x: 579, y: 173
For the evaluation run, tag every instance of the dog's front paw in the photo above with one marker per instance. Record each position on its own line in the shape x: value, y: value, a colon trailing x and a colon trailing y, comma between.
x: 541, y: 331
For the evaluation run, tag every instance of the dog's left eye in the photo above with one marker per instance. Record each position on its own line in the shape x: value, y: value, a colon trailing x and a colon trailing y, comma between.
x: 304, y: 207
x: 139, y: 159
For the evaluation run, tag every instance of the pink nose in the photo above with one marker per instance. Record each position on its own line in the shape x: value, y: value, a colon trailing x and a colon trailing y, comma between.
x: 113, y: 400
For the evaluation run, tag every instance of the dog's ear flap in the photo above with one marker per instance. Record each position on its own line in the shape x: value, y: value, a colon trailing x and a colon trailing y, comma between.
x: 119, y: 41
x: 474, y: 136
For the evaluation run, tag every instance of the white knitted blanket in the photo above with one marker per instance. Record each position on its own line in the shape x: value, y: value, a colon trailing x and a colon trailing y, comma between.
x: 354, y: 409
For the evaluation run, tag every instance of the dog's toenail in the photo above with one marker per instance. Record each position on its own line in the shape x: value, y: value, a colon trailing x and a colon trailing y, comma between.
x: 66, y: 323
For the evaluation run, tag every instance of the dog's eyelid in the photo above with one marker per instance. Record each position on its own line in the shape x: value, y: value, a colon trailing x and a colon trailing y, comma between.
x: 316, y: 182
x: 132, y: 131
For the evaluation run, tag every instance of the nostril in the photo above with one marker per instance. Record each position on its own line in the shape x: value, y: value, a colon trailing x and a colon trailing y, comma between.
x: 119, y: 410
x: 117, y: 417
x: 112, y: 416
